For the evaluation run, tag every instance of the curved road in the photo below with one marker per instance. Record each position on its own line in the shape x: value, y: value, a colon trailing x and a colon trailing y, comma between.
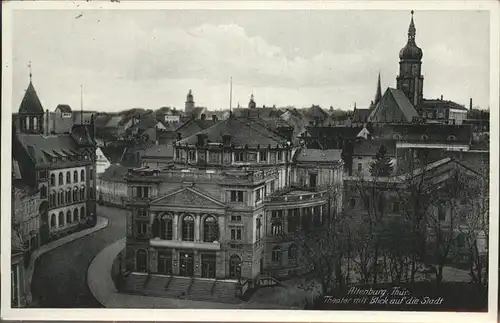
x: 60, y: 275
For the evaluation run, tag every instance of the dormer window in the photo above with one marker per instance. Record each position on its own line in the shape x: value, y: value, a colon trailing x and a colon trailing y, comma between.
x: 226, y: 140
x: 452, y: 138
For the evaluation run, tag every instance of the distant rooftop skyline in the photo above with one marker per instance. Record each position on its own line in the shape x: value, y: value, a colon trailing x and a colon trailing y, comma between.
x: 149, y: 59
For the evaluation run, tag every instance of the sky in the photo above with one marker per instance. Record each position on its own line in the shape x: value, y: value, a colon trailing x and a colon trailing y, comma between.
x: 151, y: 58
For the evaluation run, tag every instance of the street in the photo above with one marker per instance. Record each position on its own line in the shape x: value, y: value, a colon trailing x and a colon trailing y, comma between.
x: 59, y: 278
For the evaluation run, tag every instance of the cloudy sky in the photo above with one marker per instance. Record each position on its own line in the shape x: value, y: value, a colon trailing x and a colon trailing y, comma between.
x: 148, y: 59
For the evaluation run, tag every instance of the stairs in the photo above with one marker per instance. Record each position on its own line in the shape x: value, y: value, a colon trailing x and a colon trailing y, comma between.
x: 134, y: 283
x: 182, y: 288
x: 225, y: 292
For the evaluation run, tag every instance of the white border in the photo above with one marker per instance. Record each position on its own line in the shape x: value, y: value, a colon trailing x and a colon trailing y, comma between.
x: 243, y: 315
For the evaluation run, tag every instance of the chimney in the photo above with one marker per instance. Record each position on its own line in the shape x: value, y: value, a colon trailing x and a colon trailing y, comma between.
x: 470, y: 104
x: 441, y: 97
x: 214, y: 118
x: 203, y: 116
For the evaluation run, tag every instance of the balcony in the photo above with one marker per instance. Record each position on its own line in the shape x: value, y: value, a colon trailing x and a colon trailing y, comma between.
x: 295, y: 193
x: 179, y: 244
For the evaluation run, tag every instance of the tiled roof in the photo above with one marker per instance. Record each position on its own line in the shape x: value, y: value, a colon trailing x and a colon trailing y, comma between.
x: 82, y: 135
x: 113, y: 152
x: 428, y: 132
x: 41, y: 148
x: 161, y: 151
x: 401, y: 101
x: 64, y: 108
x: 334, y: 132
x: 440, y: 104
x: 114, y: 121
x: 318, y: 155
x: 31, y: 103
x: 193, y: 126
x: 360, y: 115
x: 243, y: 131
x: 101, y: 120
x: 115, y: 173
x: 371, y: 147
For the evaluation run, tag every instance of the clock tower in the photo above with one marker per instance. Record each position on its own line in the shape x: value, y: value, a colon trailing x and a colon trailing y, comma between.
x: 410, y: 79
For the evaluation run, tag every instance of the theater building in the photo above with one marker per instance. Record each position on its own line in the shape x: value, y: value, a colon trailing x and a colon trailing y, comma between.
x: 230, y: 205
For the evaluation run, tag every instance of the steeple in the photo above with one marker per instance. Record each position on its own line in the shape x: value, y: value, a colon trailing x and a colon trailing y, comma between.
x: 30, y: 110
x: 378, y: 94
x: 410, y: 80
x: 189, y: 106
x: 251, y: 104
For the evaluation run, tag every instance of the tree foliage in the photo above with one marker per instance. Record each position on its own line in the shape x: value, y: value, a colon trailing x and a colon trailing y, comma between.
x: 382, y: 165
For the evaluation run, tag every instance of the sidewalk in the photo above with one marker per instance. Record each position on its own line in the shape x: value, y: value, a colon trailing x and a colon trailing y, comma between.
x: 101, y: 224
x: 104, y: 290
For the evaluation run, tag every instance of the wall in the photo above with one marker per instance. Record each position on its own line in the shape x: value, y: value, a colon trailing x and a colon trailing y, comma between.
x: 102, y: 163
x: 26, y: 213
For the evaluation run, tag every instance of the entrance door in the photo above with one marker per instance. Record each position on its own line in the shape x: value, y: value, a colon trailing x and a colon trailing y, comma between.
x: 208, y: 265
x: 187, y: 264
x: 235, y: 266
x: 165, y: 262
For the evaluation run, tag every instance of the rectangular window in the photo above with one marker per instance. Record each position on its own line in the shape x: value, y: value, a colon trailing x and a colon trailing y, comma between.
x: 312, y: 180
x: 236, y: 234
x: 441, y: 214
x: 360, y: 167
x: 272, y: 187
x: 142, y: 228
x: 235, y: 218
x: 192, y: 155
x: 280, y: 155
x: 263, y: 155
x: 236, y: 196
x: 142, y: 213
x: 239, y: 156
x: 257, y: 195
x: 395, y: 207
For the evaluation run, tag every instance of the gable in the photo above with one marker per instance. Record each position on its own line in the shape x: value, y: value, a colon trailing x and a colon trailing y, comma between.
x: 188, y: 197
x: 393, y: 107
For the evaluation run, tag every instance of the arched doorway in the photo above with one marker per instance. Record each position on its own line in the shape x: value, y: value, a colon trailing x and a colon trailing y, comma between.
x: 43, y: 211
x: 187, y: 263
x: 235, y: 266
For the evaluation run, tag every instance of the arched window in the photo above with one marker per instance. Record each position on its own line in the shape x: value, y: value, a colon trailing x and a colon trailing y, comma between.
x: 61, y: 197
x: 52, y: 200
x: 75, y: 176
x: 424, y: 137
x: 61, y: 219
x: 53, y: 179
x: 276, y: 253
x: 82, y: 193
x: 141, y: 260
x: 34, y: 123
x: 210, y: 229
x: 397, y: 136
x: 68, y: 195
x: 292, y: 252
x: 68, y: 178
x: 234, y: 266
x: 82, y: 212
x: 69, y: 219
x: 53, y: 220
x: 82, y: 176
x: 188, y: 228
x: 75, y: 194
x: 75, y: 215
x: 352, y: 202
x: 61, y: 181
x: 163, y: 227
x: 452, y: 138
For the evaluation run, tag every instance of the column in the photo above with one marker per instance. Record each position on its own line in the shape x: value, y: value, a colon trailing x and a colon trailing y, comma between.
x: 153, y: 263
x: 175, y: 227
x: 197, y: 227
x: 285, y: 221
x: 197, y: 263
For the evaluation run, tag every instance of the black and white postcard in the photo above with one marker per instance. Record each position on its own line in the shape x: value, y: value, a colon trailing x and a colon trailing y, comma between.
x: 254, y: 161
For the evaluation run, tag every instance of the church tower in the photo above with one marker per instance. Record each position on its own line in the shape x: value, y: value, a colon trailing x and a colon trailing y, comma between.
x: 410, y: 79
x: 188, y: 108
x: 251, y: 103
x: 31, y: 114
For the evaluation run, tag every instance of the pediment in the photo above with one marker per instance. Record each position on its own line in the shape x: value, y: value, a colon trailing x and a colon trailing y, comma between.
x: 188, y: 197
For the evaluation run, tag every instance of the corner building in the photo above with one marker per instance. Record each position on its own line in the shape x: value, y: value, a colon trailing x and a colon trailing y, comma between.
x: 231, y: 205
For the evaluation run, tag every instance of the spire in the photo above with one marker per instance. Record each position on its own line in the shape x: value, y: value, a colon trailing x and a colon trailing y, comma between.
x: 378, y: 94
x: 251, y: 104
x: 29, y: 66
x: 412, y: 30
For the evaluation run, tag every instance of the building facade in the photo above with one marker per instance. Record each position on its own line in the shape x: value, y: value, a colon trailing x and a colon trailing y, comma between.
x: 228, y: 208
x: 61, y: 167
